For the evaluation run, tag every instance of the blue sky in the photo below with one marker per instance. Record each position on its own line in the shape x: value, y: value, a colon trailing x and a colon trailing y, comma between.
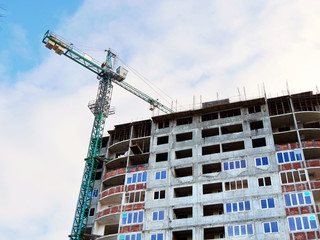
x: 189, y: 50
x: 23, y: 25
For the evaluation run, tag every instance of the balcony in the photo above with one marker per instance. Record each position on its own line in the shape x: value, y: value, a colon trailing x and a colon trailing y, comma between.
x: 109, y: 215
x: 119, y: 146
x: 109, y: 237
x: 112, y: 195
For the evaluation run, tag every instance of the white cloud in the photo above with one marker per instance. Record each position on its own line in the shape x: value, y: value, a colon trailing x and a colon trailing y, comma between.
x: 184, y: 47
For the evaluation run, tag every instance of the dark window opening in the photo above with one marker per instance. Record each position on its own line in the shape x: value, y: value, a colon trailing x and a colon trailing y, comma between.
x: 141, y: 129
x: 279, y: 106
x: 183, y: 192
x: 265, y: 181
x: 182, y: 235
x: 233, y: 146
x: 214, y: 209
x: 311, y: 125
x: 161, y: 157
x: 163, y: 124
x: 100, y: 164
x: 180, y: 213
x: 210, y: 149
x: 91, y: 213
x: 184, y: 153
x: 236, y: 185
x: 256, y: 125
x: 209, y: 116
x: 159, y: 194
x: 231, y: 129
x: 88, y: 230
x: 111, y: 229
x: 183, y: 172
x: 284, y: 128
x: 213, y: 233
x: 98, y: 175
x: 184, y: 121
x: 254, y: 109
x: 162, y: 140
x: 104, y: 142
x: 212, y: 188
x: 230, y: 113
x: 258, y: 142
x: 184, y: 137
x: 211, y: 168
x: 210, y: 132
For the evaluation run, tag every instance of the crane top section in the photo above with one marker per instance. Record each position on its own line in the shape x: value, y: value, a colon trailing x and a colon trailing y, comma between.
x: 104, y: 70
x: 62, y: 46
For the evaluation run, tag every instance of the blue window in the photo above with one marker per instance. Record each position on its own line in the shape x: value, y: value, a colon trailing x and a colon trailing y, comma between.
x: 280, y: 158
x: 134, y: 236
x: 238, y: 207
x: 247, y: 205
x: 140, y: 217
x: 155, y: 216
x: 161, y: 175
x: 235, y: 207
x: 297, y: 199
x: 158, y: 215
x: 237, y: 164
x: 234, y: 165
x: 231, y: 165
x: 241, y: 206
x: 267, y: 203
x: 270, y: 227
x: 132, y: 218
x: 129, y: 218
x: 226, y: 166
x: 240, y: 230
x: 265, y: 161
x: 158, y: 236
x: 228, y: 206
x: 258, y: 162
x: 129, y: 180
x: 243, y: 164
x: 161, y: 215
x: 289, y: 156
x: 302, y: 223
x: 230, y: 231
x: 262, y: 161
x: 95, y: 192
x: 139, y: 177
x: 136, y: 177
x: 144, y: 177
x: 135, y: 217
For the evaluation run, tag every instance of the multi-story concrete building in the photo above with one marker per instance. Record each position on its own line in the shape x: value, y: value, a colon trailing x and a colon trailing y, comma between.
x: 242, y: 170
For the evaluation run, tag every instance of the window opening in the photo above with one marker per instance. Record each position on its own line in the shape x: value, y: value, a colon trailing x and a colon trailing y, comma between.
x: 161, y: 157
x: 183, y: 172
x: 265, y: 181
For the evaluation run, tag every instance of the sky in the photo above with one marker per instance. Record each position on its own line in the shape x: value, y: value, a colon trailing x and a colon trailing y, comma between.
x: 194, y: 51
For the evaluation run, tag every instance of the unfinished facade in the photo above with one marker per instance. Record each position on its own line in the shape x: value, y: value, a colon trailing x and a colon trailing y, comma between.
x: 242, y: 170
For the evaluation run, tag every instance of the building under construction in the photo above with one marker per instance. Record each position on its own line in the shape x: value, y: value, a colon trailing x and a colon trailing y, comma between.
x: 242, y: 170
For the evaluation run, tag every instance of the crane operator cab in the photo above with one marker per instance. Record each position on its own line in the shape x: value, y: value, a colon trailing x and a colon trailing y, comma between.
x: 121, y: 73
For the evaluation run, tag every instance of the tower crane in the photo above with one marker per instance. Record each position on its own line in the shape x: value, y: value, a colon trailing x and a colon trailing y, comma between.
x: 107, y: 76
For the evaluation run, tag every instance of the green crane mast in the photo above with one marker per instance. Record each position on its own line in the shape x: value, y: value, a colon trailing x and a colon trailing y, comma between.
x: 100, y: 108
